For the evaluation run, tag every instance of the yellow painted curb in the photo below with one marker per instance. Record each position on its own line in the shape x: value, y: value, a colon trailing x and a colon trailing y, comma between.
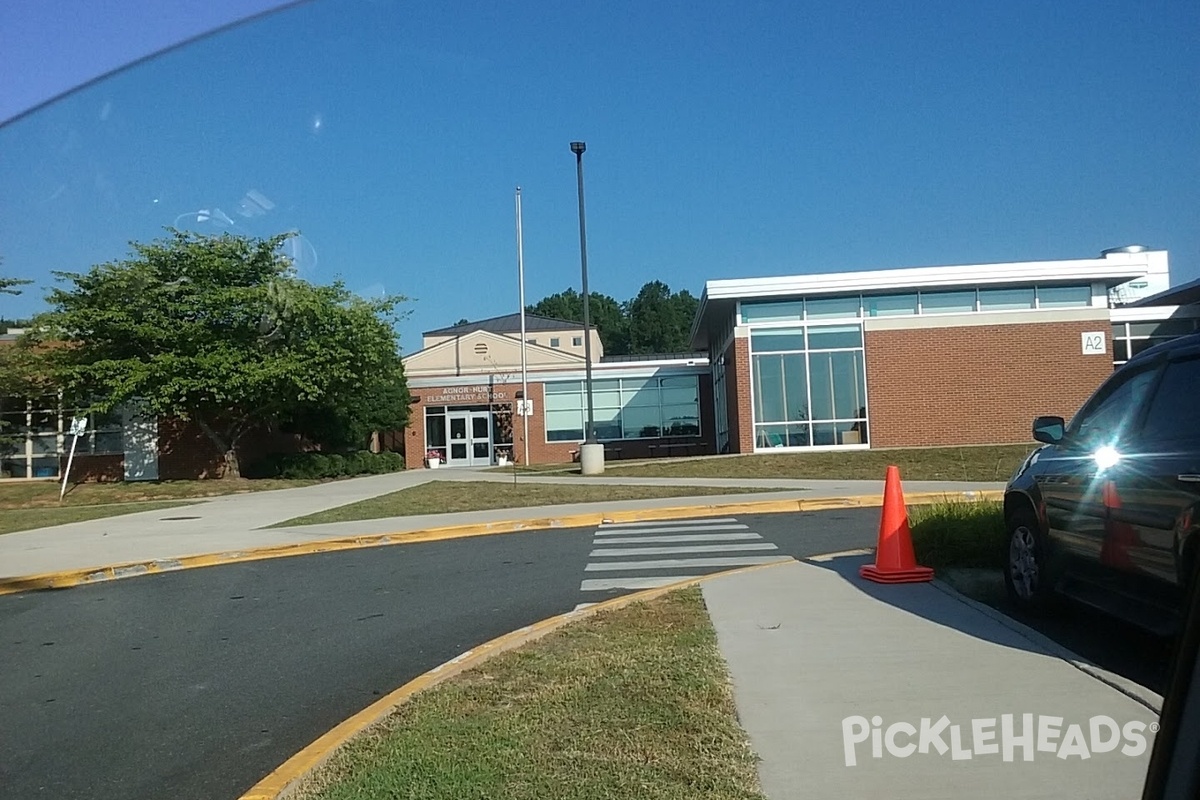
x: 75, y: 577
x: 281, y: 781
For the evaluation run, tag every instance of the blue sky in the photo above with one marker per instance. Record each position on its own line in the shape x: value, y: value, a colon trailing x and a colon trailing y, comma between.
x: 725, y: 139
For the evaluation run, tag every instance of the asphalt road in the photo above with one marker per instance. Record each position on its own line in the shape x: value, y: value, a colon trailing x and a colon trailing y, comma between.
x: 196, y: 684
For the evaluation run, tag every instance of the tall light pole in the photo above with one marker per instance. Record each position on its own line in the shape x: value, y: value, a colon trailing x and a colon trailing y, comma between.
x: 591, y: 454
x: 524, y: 404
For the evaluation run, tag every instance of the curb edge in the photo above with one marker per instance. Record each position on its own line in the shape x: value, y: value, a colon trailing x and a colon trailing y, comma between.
x: 65, y: 579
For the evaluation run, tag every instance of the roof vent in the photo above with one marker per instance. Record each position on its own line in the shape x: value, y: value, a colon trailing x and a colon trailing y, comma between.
x: 481, y: 349
x: 1129, y: 248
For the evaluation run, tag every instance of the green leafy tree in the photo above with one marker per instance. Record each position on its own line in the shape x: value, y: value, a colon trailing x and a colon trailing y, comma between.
x: 660, y: 321
x: 220, y: 330
x: 9, y: 285
x: 607, y: 316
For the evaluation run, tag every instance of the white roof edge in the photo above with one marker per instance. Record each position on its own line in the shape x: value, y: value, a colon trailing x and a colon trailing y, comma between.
x: 1141, y: 313
x: 1119, y: 268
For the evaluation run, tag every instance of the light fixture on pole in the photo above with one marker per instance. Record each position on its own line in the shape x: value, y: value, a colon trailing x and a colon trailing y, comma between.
x: 523, y: 407
x: 591, y: 452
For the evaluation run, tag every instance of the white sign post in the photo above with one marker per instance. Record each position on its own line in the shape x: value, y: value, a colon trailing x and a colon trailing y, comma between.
x: 78, y: 428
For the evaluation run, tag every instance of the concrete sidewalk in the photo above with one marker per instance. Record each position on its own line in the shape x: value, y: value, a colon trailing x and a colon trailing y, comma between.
x: 239, y: 522
x: 820, y: 659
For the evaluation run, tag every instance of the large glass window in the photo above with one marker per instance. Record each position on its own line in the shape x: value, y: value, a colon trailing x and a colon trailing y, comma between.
x: 787, y: 311
x: 948, y: 302
x: 890, y: 305
x: 810, y: 397
x: 625, y: 408
x: 1064, y: 296
x: 1005, y: 299
x: 832, y: 308
x: 778, y: 340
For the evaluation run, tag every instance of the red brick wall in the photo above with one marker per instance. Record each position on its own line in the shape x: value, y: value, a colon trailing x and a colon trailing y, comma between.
x: 737, y: 397
x: 543, y: 452
x: 980, y: 384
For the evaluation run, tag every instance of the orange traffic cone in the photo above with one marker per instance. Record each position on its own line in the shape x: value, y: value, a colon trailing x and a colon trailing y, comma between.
x: 895, y: 561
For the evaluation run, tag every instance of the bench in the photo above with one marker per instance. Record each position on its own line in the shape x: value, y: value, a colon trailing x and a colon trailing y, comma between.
x: 670, y: 447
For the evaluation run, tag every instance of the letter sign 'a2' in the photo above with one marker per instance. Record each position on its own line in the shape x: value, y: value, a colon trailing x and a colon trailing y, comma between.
x: 1093, y: 344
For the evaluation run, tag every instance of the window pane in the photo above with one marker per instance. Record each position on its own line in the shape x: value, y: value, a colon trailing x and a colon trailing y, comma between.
x: 773, y: 312
x: 769, y: 403
x: 838, y: 388
x: 1120, y: 350
x: 891, y: 305
x: 947, y: 302
x: 679, y: 382
x: 1119, y: 331
x: 608, y: 423
x: 1110, y: 412
x: 675, y: 396
x: 1064, y: 296
x: 562, y: 426
x: 792, y: 435
x: 682, y: 420
x: 646, y: 396
x: 1166, y: 327
x: 1005, y: 299
x: 108, y: 442
x: 832, y: 308
x: 838, y: 336
x: 45, y: 467
x: 564, y: 402
x: 1172, y: 413
x: 561, y: 387
x: 776, y: 341
x: 795, y: 386
x: 605, y: 399
x: 641, y: 422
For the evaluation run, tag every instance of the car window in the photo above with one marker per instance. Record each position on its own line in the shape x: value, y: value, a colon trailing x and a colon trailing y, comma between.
x: 1110, y: 413
x: 1172, y: 411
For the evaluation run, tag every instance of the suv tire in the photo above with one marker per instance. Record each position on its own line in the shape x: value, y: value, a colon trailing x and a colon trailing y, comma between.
x: 1029, y: 585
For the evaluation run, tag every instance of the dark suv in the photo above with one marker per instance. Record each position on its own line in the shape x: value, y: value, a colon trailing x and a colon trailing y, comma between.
x: 1107, y: 512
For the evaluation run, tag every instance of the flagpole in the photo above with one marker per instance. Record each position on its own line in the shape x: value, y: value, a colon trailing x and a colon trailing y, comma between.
x: 524, y: 370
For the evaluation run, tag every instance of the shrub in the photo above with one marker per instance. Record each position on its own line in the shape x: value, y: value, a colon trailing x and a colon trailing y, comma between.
x: 315, y: 466
x: 337, y: 466
x: 959, y: 534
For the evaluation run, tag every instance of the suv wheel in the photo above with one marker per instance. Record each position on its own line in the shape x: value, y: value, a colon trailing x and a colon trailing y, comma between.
x: 1025, y: 576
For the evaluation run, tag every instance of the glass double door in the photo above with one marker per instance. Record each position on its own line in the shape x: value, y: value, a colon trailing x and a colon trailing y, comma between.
x: 470, y: 438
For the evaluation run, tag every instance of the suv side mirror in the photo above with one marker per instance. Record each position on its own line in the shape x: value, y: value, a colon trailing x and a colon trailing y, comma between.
x: 1049, y: 430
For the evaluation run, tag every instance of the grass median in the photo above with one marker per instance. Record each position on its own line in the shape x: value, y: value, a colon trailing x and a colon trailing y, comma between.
x: 25, y: 505
x: 443, y: 497
x: 966, y: 544
x: 632, y: 703
x: 24, y: 519
x: 985, y: 463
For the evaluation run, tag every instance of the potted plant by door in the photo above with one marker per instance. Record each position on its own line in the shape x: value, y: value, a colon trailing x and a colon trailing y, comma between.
x: 433, y: 458
x: 502, y: 458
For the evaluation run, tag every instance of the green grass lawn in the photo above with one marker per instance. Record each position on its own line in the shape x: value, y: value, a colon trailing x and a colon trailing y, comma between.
x: 442, y: 497
x: 44, y: 494
x: 988, y: 463
x: 959, y: 535
x: 633, y: 703
x: 25, y: 505
x: 23, y: 519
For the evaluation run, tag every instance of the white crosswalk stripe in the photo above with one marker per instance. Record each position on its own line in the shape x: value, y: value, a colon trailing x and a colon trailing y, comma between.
x: 666, y: 551
x: 659, y: 523
x: 606, y: 531
x: 687, y: 537
x: 624, y: 553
